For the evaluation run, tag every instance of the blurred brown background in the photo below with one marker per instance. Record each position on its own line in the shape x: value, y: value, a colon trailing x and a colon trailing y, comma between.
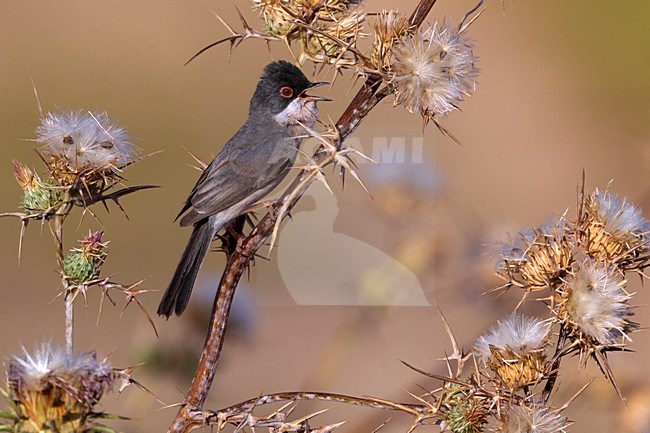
x: 564, y: 88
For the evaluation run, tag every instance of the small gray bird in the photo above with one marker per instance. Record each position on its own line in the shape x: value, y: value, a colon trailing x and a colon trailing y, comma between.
x: 251, y: 164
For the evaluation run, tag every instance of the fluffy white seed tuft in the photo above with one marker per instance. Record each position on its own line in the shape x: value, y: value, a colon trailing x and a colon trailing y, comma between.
x: 433, y: 70
x: 619, y: 216
x: 535, y: 419
x: 597, y: 303
x: 47, y: 362
x: 516, y: 333
x: 85, y: 140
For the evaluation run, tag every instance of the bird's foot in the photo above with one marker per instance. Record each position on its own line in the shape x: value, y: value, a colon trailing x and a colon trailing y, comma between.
x: 239, y: 249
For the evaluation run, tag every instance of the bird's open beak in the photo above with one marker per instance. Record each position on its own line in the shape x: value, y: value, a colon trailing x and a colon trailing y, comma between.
x: 318, y: 84
x: 305, y: 97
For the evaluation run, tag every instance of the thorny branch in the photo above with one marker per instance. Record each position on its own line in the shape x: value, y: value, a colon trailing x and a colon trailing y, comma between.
x: 240, y: 414
x: 364, y: 101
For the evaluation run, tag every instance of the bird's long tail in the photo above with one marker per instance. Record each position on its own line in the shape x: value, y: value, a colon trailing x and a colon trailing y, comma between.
x: 178, y: 293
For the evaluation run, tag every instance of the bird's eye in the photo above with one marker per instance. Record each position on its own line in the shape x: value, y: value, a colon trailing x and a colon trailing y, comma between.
x: 286, y: 92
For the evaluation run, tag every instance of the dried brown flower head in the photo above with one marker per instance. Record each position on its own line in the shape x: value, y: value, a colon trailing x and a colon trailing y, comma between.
x: 612, y: 229
x: 326, y: 29
x: 328, y: 40
x: 389, y: 27
x: 56, y: 392
x: 536, y: 259
x: 515, y: 349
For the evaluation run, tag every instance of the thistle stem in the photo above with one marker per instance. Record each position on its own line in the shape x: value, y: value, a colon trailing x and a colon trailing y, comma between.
x: 68, y: 296
x: 69, y: 322
x: 550, y: 383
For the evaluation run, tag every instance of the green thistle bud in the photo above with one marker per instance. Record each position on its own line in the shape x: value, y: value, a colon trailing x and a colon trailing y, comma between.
x: 79, y: 268
x: 84, y: 264
x: 38, y: 195
x: 42, y: 197
x: 463, y: 411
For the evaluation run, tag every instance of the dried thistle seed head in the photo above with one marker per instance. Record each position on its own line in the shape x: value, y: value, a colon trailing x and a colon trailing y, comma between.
x: 55, y: 391
x: 433, y: 70
x: 594, y: 305
x: 79, y: 142
x: 38, y: 195
x: 282, y: 17
x: 536, y: 418
x: 327, y: 45
x: 326, y: 29
x: 515, y: 349
x: 389, y: 27
x: 279, y: 16
x: 536, y: 259
x: 326, y: 10
x: 462, y: 410
x: 457, y: 51
x: 84, y: 264
x: 612, y: 229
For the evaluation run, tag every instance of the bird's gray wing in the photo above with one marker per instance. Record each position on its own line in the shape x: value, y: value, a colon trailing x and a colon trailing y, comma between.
x: 248, y: 163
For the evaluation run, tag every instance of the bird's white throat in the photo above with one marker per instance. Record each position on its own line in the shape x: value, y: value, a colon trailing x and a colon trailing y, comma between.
x: 298, y: 111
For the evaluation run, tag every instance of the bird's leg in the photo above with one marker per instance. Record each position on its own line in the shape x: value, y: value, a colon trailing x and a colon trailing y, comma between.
x: 233, y: 235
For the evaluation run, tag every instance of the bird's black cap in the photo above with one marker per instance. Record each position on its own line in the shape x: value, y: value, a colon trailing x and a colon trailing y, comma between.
x: 287, y: 73
x: 275, y: 77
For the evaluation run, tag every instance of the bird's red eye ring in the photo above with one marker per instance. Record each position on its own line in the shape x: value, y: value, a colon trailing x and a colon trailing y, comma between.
x: 286, y: 92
